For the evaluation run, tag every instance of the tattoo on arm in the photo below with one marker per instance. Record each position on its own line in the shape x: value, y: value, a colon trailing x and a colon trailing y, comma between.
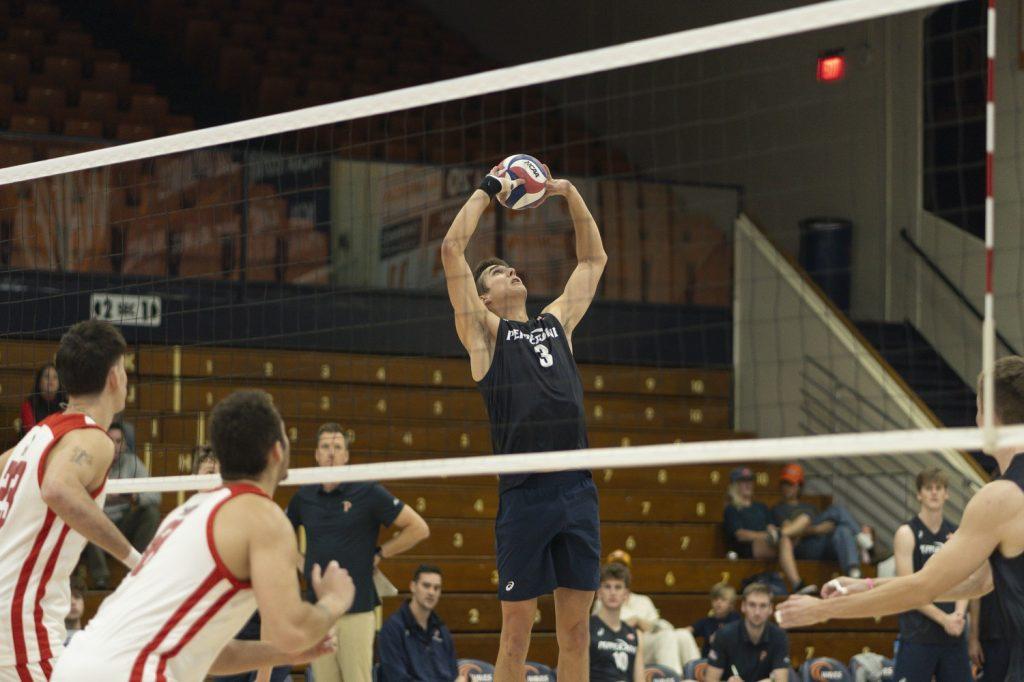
x: 81, y: 457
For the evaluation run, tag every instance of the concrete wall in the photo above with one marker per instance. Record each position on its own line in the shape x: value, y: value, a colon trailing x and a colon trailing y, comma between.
x: 799, y: 371
x: 752, y: 115
x: 919, y: 295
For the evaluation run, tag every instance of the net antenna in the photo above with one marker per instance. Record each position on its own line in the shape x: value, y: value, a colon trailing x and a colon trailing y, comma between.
x: 988, y: 333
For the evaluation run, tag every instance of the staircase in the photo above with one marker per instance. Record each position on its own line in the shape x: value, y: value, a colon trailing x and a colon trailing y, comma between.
x: 924, y: 370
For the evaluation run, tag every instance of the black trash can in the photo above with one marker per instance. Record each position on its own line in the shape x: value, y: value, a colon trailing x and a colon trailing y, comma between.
x: 826, y: 249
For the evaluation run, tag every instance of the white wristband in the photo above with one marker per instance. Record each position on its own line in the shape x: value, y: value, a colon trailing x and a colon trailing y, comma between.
x: 133, y: 558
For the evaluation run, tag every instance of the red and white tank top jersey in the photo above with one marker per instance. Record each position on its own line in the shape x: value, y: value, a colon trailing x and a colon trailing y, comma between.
x: 176, y: 610
x: 38, y: 551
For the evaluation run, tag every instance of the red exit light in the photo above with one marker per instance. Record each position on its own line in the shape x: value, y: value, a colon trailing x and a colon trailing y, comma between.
x: 831, y: 68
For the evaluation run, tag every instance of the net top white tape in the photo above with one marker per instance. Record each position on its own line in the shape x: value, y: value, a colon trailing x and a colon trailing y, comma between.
x: 674, y: 454
x: 727, y: 34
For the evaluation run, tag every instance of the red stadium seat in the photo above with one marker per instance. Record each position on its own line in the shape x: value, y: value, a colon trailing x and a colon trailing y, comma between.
x: 112, y: 76
x: 30, y: 123
x: 47, y: 101
x: 79, y: 41
x: 25, y: 37
x: 147, y: 108
x: 174, y: 123
x: 132, y: 132
x: 62, y: 72
x: 79, y: 127
x: 14, y: 69
x: 42, y: 15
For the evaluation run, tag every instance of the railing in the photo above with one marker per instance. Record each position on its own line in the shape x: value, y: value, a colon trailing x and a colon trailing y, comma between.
x: 953, y: 288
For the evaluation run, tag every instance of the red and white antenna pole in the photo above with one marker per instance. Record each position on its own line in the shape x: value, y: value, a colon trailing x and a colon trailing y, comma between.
x: 988, y: 328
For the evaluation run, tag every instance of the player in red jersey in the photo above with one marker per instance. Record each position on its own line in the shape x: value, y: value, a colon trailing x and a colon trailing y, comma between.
x: 51, y: 502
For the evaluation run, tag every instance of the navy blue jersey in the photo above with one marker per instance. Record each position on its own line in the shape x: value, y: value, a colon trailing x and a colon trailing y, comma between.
x: 1008, y: 579
x: 612, y: 652
x: 533, y: 392
x: 914, y: 625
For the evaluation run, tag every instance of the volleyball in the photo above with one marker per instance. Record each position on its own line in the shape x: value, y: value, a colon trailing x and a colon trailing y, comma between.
x: 533, y: 173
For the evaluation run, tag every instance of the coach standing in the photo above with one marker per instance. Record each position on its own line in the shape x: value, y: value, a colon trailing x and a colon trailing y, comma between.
x: 342, y: 523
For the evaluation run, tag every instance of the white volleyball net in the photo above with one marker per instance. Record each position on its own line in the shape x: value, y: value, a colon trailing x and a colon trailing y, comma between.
x: 791, y: 204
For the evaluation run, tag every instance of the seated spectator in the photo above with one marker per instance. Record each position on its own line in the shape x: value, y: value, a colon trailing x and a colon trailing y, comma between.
x: 831, y: 535
x: 664, y: 644
x: 137, y: 515
x: 615, y: 647
x: 750, y: 534
x: 751, y: 649
x: 47, y: 397
x: 73, y: 621
x: 204, y: 461
x: 414, y: 643
x: 723, y: 605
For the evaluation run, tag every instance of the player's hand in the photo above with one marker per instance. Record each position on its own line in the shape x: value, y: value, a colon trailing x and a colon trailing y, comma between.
x: 734, y: 678
x: 327, y: 645
x: 334, y: 584
x: 799, y: 611
x: 954, y: 624
x: 841, y: 587
x: 975, y: 651
x: 507, y: 183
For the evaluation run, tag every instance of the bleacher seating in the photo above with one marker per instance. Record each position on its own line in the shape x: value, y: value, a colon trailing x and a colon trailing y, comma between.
x: 668, y: 518
x: 273, y: 57
x: 56, y: 82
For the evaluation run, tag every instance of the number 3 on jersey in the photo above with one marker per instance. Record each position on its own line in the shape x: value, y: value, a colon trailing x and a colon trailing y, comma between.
x: 546, y: 360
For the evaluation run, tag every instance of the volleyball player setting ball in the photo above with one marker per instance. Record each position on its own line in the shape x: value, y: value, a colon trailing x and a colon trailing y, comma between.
x: 547, y: 531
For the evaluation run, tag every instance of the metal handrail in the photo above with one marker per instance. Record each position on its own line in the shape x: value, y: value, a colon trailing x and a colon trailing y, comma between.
x: 951, y: 285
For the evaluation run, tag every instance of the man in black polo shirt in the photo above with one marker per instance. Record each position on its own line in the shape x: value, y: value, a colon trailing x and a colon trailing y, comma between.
x: 342, y: 523
x: 414, y: 644
x: 751, y: 649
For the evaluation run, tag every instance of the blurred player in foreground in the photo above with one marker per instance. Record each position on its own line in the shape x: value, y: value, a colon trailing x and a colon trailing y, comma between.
x: 51, y: 501
x: 213, y: 561
x: 986, y: 552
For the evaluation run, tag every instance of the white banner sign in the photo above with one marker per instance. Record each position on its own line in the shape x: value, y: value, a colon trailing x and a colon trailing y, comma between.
x: 136, y: 311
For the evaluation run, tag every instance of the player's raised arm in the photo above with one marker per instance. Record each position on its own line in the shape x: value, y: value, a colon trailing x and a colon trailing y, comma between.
x: 471, y: 316
x: 75, y: 468
x: 981, y: 531
x: 591, y: 258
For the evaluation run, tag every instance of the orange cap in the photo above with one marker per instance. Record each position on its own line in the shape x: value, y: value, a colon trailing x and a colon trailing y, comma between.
x: 792, y: 473
x: 620, y: 556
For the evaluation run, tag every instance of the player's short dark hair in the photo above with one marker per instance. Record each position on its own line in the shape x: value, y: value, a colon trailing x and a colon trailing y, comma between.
x: 116, y: 425
x: 930, y: 476
x: 1009, y: 389
x: 423, y: 569
x: 243, y: 429
x: 330, y: 427
x: 756, y: 588
x: 87, y: 352
x: 481, y: 268
x: 616, y: 571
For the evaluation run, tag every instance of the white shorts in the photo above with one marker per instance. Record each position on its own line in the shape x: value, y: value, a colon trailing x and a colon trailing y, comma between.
x: 33, y: 672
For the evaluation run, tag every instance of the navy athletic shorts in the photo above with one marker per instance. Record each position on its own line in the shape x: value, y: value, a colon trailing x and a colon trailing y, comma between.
x: 920, y: 662
x: 547, y: 537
